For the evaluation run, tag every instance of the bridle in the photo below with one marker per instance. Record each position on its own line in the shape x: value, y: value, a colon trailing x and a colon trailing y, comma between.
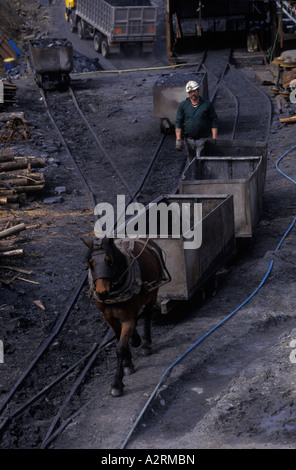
x: 128, y: 282
x: 99, y: 268
x: 123, y: 285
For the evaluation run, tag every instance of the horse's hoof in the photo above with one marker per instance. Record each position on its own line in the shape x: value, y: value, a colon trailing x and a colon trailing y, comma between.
x: 116, y: 392
x: 128, y: 370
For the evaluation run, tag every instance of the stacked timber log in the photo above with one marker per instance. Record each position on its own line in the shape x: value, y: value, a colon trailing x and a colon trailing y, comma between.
x: 7, y: 248
x: 16, y: 127
x: 9, y: 92
x: 17, y: 179
x: 10, y: 228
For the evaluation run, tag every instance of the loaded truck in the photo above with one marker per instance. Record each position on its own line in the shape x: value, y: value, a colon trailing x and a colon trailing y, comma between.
x: 113, y: 23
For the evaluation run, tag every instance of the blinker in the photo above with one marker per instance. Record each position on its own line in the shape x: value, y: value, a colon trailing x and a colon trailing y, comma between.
x: 100, y: 269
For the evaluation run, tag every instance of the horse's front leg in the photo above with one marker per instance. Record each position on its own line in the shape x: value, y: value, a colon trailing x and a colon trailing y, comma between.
x: 115, y: 324
x: 124, y: 359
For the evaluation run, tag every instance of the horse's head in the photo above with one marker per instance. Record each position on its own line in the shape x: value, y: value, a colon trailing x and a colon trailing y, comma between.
x: 107, y: 265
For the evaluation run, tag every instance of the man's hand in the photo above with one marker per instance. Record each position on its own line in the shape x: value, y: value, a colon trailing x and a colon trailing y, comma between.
x: 179, y: 144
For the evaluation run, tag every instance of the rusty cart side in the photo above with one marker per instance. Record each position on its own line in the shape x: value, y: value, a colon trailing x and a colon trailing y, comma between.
x: 242, y: 177
x: 235, y: 148
x: 52, y: 61
x: 191, y: 266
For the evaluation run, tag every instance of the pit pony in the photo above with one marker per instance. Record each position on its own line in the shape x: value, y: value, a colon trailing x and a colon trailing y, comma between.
x: 125, y: 276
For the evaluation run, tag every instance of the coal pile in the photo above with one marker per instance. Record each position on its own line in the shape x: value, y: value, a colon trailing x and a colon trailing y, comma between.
x: 50, y: 42
x: 82, y: 64
x: 178, y: 79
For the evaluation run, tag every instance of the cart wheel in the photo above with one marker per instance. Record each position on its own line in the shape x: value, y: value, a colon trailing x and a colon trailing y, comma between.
x: 163, y: 127
x: 38, y: 79
x: 91, y: 32
x: 80, y: 30
x: 97, y: 42
x: 166, y: 127
x: 105, y: 48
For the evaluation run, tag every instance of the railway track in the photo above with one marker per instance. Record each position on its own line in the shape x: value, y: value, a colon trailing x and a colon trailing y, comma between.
x: 234, y: 95
x: 22, y: 402
x: 15, y: 409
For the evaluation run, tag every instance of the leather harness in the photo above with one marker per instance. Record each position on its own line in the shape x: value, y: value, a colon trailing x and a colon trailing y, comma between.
x: 132, y: 283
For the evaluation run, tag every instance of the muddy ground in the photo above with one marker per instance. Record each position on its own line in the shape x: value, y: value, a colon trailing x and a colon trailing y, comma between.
x: 236, y: 388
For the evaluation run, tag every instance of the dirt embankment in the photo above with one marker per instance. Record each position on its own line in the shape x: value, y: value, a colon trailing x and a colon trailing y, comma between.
x: 12, y: 20
x: 20, y: 21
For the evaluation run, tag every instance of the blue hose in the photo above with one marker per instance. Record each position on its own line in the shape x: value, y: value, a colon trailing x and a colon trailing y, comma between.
x: 223, y: 321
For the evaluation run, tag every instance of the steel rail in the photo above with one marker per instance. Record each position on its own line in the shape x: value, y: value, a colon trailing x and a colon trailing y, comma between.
x: 269, y: 106
x: 219, y: 80
x: 7, y: 421
x: 92, y: 355
x: 223, y: 80
x: 223, y: 72
x: 110, y: 336
x: 53, y: 431
x: 60, y: 323
x: 64, y: 143
x: 99, y: 143
x: 234, y: 127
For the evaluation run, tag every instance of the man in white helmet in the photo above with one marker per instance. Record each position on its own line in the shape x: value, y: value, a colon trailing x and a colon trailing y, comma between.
x: 196, y: 119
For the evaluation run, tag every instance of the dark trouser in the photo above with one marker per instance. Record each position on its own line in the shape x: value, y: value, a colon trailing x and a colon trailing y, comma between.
x: 193, y: 147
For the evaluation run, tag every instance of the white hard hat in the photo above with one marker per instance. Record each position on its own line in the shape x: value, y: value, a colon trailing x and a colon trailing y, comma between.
x: 192, y: 85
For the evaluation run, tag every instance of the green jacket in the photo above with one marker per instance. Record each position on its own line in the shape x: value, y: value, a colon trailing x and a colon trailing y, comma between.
x: 196, y: 122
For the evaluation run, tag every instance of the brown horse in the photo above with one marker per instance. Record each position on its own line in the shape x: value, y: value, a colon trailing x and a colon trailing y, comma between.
x: 124, y: 276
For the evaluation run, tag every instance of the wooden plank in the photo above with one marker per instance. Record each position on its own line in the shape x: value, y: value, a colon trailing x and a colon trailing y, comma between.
x: 288, y: 120
x: 264, y: 77
x: 22, y: 163
x: 284, y: 64
x: 12, y: 230
x: 288, y: 77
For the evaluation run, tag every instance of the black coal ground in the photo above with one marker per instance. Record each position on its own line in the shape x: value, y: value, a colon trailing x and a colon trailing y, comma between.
x: 236, y: 389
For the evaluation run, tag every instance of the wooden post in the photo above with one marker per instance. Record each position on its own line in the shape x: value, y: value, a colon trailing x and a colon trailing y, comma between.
x: 281, y: 27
